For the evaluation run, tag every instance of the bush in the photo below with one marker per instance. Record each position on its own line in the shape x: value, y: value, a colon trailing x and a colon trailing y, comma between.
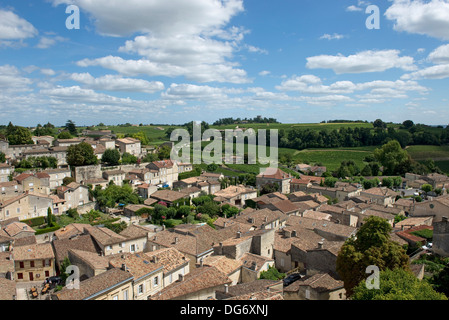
x: 272, y: 274
x: 34, y: 222
x: 47, y: 230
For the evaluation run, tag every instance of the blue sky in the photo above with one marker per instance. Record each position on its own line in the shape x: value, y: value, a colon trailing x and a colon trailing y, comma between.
x: 299, y: 61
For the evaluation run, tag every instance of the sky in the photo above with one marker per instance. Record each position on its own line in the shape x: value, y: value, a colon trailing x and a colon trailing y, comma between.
x: 176, y: 61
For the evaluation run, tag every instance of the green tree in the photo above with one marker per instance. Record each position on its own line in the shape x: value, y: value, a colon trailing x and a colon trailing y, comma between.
x: 330, y: 182
x: 2, y: 157
x: 440, y: 281
x: 387, y: 182
x: 128, y: 158
x: 427, y: 188
x: 366, y: 171
x: 65, y: 135
x: 81, y: 154
x: 49, y: 218
x: 272, y: 274
x: 397, y: 284
x: 111, y: 157
x: 18, y: 135
x: 164, y: 152
x: 67, y: 180
x: 370, y: 246
x: 394, y: 159
x: 142, y: 137
x: 71, y: 127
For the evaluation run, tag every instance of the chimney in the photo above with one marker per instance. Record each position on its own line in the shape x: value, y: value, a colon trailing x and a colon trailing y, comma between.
x: 239, y: 234
x: 220, y: 251
x: 226, y: 288
x: 225, y: 224
x: 124, y: 267
x: 265, y: 219
x: 201, y: 262
x: 155, y: 259
x: 176, y: 240
x: 320, y: 245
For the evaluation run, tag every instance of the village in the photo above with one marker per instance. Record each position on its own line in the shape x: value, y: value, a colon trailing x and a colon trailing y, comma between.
x: 231, y: 235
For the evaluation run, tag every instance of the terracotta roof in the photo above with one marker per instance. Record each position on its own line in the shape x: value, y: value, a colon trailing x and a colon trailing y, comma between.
x: 197, y: 280
x: 168, y: 195
x: 135, y: 232
x: 7, y: 289
x: 71, y: 230
x: 413, y: 221
x: 254, y: 261
x: 105, y: 236
x: 136, y: 264
x: 170, y: 258
x: 93, y: 259
x: 83, y: 242
x: 223, y: 264
x: 91, y: 287
x: 13, y: 229
x: 163, y: 164
x: 285, y: 206
x: 234, y: 191
x: 260, y: 285
x: 320, y: 282
x: 381, y: 191
x: 42, y: 175
x: 33, y: 252
x: 261, y: 217
x: 267, y: 295
x: 274, y: 173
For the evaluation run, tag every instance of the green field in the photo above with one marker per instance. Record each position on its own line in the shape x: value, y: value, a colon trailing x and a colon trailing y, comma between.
x: 437, y: 153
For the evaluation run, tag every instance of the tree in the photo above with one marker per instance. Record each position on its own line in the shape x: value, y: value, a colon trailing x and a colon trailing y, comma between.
x: 49, y: 218
x: 378, y: 123
x: 330, y: 182
x: 366, y: 171
x: 81, y: 154
x: 142, y: 137
x: 370, y: 246
x: 111, y: 157
x: 71, y: 127
x: 65, y: 135
x: 269, y: 188
x: 128, y: 158
x: 397, y: 284
x: 67, y: 180
x: 427, y: 188
x: 212, y: 167
x: 407, y: 124
x: 440, y: 281
x: 394, y: 159
x: 2, y: 157
x: 18, y: 135
x: 272, y: 274
x: 164, y: 152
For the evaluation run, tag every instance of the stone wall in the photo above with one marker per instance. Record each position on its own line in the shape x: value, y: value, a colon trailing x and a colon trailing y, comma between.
x: 441, y: 237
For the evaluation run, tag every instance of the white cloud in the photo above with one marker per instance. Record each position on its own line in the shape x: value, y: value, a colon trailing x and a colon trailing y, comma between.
x: 13, y: 27
x: 176, y: 38
x: 426, y: 18
x: 193, y: 92
x: 12, y: 81
x: 440, y: 71
x: 264, y: 73
x: 117, y: 83
x: 365, y: 61
x: 440, y: 55
x: 353, y: 8
x: 47, y: 42
x: 199, y: 72
x: 334, y: 36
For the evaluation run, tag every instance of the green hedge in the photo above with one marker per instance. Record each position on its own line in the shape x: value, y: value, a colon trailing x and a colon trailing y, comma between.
x: 105, y: 221
x: 46, y: 230
x: 34, y: 222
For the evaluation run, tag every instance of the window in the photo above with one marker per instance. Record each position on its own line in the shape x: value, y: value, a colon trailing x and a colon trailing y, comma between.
x: 156, y: 281
x: 109, y: 248
x: 20, y: 276
x: 125, y: 295
x: 140, y: 289
x: 7, y: 213
x: 115, y: 297
x: 21, y: 265
x: 47, y: 274
x: 32, y: 264
x: 132, y: 248
x: 18, y: 210
x: 307, y: 293
x: 282, y: 262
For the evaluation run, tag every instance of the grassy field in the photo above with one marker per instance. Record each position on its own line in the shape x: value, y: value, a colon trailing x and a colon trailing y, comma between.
x: 437, y: 153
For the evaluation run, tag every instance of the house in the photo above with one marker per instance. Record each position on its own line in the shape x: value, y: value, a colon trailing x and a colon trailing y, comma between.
x: 242, y: 289
x: 254, y: 265
x: 10, y: 189
x: 230, y: 267
x: 68, y: 142
x: 274, y: 175
x: 5, y: 171
x: 58, y: 152
x: 25, y: 206
x: 56, y: 176
x: 285, y: 206
x: 39, y: 182
x: 96, y: 182
x: 302, y: 167
x: 110, y: 242
x: 440, y: 239
x: 237, y: 195
x: 405, y: 204
x: 303, y: 182
x: 129, y: 145
x: 323, y: 258
x: 380, y: 195
x: 262, y: 219
x: 116, y: 176
x: 145, y: 190
x: 17, y: 230
x: 171, y: 197
x: 320, y: 286
x: 74, y: 195
x: 147, y: 276
x: 265, y: 199
x: 34, y: 262
x: 83, y: 242
x: 175, y: 263
x: 435, y: 207
x: 413, y: 222
x: 168, y: 171
x: 200, y: 284
x: 412, y: 239
x: 436, y: 180
x: 185, y: 167
x: 90, y: 264
x: 113, y: 284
